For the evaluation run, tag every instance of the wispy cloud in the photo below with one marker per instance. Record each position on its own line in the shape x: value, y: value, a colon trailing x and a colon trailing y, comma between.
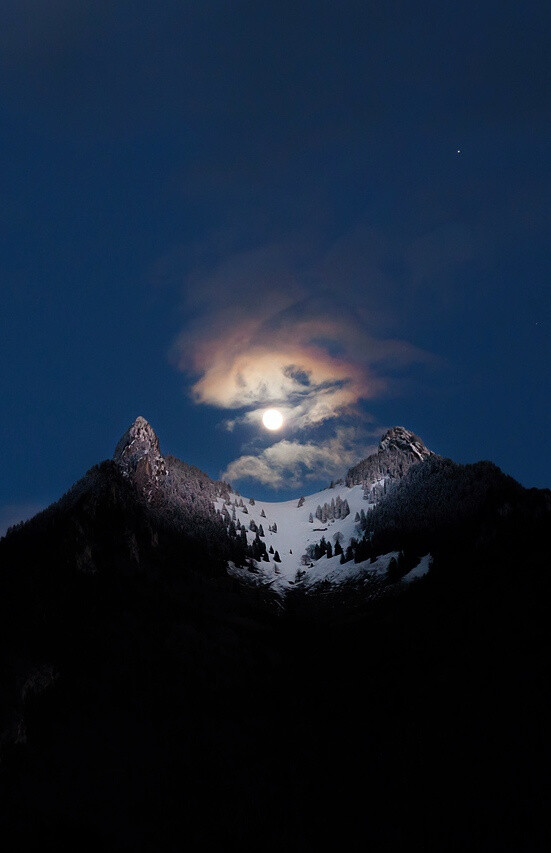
x: 265, y: 334
x: 254, y: 363
x: 291, y: 463
x: 308, y: 354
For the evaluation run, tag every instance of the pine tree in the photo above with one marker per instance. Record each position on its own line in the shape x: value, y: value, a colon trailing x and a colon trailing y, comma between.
x: 261, y: 531
x: 277, y: 558
x: 258, y: 548
x: 301, y: 502
x: 271, y: 549
x: 311, y: 518
x: 262, y: 514
x: 329, y: 552
x: 239, y: 551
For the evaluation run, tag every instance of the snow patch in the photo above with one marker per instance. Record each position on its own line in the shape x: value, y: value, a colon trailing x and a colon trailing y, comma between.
x: 420, y: 569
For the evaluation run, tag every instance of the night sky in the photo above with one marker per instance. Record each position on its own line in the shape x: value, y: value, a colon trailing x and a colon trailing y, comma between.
x: 209, y: 208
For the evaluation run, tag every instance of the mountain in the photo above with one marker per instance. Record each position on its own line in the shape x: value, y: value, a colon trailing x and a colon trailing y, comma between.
x: 399, y: 449
x: 168, y: 682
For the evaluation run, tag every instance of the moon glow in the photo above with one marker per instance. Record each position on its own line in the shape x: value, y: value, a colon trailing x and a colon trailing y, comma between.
x: 272, y: 419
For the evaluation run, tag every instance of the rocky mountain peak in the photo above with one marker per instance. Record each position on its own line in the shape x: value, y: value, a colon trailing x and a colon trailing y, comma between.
x: 398, y: 450
x: 400, y: 439
x: 138, y: 455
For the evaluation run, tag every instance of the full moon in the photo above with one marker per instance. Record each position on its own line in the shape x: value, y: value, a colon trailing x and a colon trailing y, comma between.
x: 272, y: 419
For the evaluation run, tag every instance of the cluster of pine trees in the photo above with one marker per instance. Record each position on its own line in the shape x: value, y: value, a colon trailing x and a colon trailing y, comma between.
x: 323, y: 548
x: 241, y: 552
x: 438, y: 500
x: 359, y: 551
x: 338, y: 508
x: 190, y: 483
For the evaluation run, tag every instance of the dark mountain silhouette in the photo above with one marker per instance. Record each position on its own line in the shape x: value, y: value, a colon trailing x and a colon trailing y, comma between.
x: 151, y: 701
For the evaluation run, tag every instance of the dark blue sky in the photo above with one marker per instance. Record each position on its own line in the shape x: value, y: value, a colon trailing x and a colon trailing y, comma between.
x: 185, y: 180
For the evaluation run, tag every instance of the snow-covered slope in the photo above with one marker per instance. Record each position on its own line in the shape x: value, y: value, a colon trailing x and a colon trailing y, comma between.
x: 293, y: 530
x: 288, y: 531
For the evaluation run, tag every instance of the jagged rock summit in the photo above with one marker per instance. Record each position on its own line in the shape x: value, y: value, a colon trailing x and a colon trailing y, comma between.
x: 401, y: 439
x: 138, y: 455
x: 398, y: 450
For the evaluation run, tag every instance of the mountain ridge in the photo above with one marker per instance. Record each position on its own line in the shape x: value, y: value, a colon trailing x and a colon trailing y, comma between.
x: 139, y: 456
x: 276, y: 544
x: 161, y: 692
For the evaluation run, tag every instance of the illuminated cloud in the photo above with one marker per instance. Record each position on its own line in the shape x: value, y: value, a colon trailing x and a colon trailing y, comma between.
x: 290, y: 463
x: 262, y: 338
x: 312, y: 368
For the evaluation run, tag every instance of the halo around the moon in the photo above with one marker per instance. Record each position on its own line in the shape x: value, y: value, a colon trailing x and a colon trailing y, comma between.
x: 272, y: 419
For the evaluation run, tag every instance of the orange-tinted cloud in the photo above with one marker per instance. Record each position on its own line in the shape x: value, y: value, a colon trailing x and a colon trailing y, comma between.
x: 314, y: 368
x: 262, y: 338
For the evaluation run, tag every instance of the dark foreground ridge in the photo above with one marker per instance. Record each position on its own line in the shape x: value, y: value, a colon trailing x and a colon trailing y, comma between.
x: 150, y: 701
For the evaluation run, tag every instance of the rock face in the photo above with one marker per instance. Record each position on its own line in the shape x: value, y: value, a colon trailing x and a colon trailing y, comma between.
x: 398, y: 450
x: 405, y: 442
x: 139, y: 457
